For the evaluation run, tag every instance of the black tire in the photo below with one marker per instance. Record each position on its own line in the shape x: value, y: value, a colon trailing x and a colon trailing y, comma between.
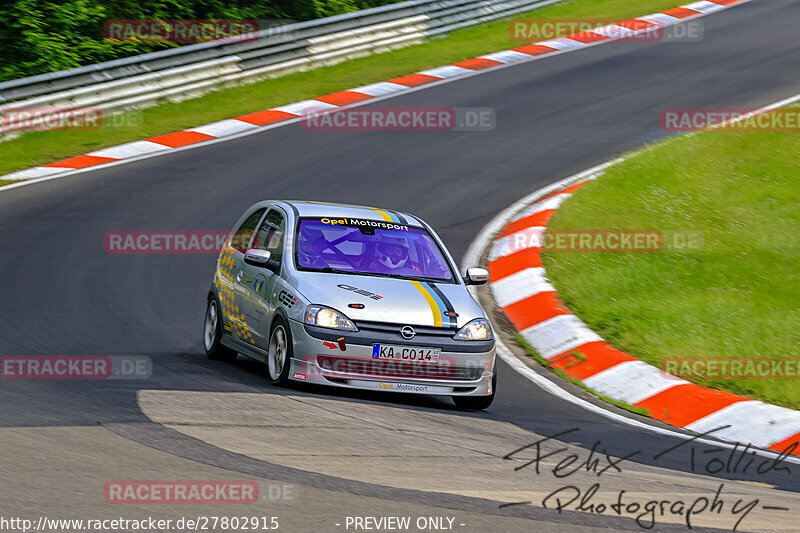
x: 477, y: 403
x: 212, y: 333
x: 279, y: 353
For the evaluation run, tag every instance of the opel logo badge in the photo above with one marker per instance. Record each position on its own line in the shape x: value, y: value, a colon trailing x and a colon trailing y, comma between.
x: 408, y: 332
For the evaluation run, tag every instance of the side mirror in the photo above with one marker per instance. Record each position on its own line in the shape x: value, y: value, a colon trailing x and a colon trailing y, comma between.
x: 259, y: 258
x: 476, y: 276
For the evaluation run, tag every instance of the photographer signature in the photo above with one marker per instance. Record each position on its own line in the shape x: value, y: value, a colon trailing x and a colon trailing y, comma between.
x: 646, y: 513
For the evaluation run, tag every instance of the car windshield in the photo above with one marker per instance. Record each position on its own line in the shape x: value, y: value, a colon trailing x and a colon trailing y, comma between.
x: 369, y: 247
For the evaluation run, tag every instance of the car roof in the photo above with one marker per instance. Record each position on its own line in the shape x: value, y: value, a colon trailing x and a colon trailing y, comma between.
x: 333, y: 210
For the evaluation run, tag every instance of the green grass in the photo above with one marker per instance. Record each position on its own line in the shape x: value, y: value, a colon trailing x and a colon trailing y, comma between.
x: 36, y: 148
x: 734, y: 297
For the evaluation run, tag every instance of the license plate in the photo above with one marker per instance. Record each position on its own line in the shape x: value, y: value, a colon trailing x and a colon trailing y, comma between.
x: 406, y: 353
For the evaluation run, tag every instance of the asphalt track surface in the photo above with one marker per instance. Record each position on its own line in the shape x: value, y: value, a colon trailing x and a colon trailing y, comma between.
x: 63, y: 294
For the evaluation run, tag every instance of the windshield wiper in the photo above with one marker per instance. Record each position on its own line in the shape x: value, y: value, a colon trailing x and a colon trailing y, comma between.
x: 333, y: 270
x: 416, y: 278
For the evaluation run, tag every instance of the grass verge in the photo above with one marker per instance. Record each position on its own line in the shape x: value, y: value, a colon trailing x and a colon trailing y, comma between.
x: 37, y: 148
x: 732, y: 297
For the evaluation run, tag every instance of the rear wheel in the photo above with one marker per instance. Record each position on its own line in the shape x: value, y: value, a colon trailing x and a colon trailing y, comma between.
x: 477, y: 403
x: 212, y: 334
x: 279, y: 353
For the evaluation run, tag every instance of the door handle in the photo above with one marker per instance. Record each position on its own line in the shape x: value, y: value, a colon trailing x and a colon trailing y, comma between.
x: 239, y: 276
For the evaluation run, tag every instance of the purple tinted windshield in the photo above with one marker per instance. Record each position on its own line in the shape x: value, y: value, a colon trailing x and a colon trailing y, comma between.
x: 369, y: 247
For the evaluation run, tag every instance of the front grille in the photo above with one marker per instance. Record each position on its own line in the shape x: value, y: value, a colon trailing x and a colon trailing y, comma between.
x: 394, y: 329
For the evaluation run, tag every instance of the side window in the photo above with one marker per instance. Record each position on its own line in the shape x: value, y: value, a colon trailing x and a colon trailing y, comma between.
x: 270, y: 235
x: 241, y: 237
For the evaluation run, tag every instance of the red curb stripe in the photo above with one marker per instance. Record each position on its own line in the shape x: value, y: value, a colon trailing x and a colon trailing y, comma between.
x: 636, y: 24
x: 686, y: 403
x: 537, y: 219
x: 785, y: 443
x: 478, y: 63
x: 681, y: 12
x: 534, y: 310
x: 534, y: 49
x: 412, y: 80
x: 725, y: 2
x: 594, y: 358
x: 181, y: 138
x: 82, y: 161
x: 502, y: 267
x: 262, y: 118
x: 343, y: 98
x: 588, y: 37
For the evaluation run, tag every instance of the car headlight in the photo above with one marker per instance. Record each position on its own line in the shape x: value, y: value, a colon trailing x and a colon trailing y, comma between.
x: 325, y: 317
x: 477, y: 330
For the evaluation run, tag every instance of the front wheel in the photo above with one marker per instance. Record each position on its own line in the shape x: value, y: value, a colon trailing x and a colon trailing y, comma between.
x: 477, y: 403
x: 212, y: 334
x: 279, y: 353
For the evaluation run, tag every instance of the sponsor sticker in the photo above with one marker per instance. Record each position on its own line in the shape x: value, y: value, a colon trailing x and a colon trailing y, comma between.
x: 297, y: 375
x: 364, y: 223
x: 360, y: 291
x: 400, y: 387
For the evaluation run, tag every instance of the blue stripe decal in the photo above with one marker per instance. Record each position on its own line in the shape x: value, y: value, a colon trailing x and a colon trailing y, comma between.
x: 442, y: 301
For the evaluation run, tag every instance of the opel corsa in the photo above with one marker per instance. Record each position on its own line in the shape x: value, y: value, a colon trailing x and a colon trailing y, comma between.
x: 350, y: 296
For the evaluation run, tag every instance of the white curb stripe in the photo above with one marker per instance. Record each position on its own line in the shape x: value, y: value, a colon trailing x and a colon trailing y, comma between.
x: 224, y: 128
x: 751, y: 421
x: 615, y: 32
x: 558, y: 334
x: 516, y: 242
x: 553, y: 202
x: 35, y: 172
x: 704, y: 7
x: 131, y: 149
x: 660, y: 19
x: 562, y: 43
x: 506, y: 56
x: 523, y: 284
x: 379, y: 89
x: 448, y: 71
x: 305, y: 107
x: 631, y: 381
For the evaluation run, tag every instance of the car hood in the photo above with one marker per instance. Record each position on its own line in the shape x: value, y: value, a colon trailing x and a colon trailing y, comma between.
x: 391, y: 300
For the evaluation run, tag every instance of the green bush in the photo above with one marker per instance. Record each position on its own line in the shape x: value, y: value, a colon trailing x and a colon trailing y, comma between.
x: 44, y: 36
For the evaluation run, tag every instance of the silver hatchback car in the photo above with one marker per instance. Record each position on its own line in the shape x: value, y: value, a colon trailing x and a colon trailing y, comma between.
x: 350, y: 296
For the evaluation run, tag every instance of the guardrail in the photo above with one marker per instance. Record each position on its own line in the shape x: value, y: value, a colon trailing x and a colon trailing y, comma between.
x: 189, y: 71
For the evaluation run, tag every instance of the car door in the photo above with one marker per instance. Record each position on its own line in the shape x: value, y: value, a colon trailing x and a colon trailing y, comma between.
x: 231, y: 272
x: 260, y: 302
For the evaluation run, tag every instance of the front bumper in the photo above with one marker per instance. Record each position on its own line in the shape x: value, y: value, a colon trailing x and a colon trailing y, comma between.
x: 322, y: 361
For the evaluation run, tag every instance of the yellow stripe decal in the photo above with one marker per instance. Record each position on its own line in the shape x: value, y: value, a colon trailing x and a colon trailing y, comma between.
x: 383, y: 213
x: 437, y: 313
